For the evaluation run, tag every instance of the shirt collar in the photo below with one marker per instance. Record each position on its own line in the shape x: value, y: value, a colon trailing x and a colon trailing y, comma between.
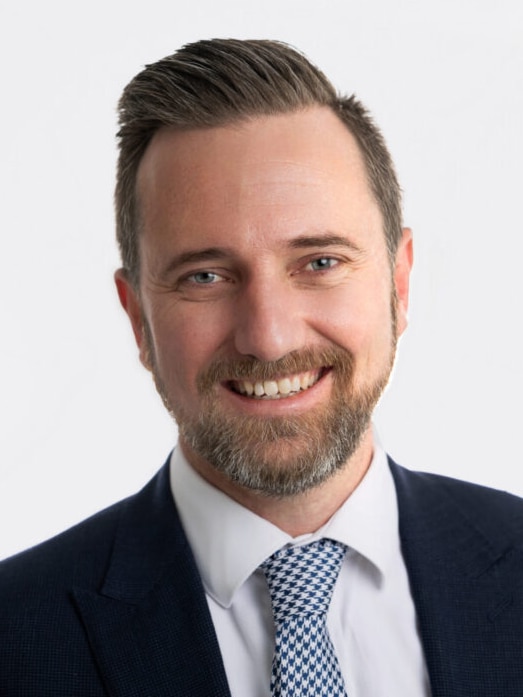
x: 229, y: 541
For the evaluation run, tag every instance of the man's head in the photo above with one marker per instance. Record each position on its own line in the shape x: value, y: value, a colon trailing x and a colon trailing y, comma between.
x: 224, y: 81
x: 268, y: 299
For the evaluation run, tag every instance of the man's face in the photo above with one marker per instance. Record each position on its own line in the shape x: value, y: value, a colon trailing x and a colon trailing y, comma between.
x: 267, y: 307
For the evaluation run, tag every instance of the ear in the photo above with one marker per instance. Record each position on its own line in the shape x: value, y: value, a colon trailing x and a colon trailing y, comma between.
x: 402, y: 269
x: 130, y: 301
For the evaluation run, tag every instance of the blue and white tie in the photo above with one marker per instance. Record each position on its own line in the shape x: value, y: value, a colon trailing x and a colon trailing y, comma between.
x: 301, y: 581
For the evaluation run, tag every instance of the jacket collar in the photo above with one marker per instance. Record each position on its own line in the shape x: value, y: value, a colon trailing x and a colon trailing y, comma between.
x: 151, y: 631
x: 149, y: 625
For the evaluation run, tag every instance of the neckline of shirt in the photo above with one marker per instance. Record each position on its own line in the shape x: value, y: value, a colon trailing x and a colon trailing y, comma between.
x: 229, y: 541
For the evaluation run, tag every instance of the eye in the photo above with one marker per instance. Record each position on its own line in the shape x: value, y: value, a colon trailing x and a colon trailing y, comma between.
x: 322, y: 263
x: 204, y: 278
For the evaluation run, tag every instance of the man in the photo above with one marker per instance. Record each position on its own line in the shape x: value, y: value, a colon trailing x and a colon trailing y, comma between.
x: 266, y: 275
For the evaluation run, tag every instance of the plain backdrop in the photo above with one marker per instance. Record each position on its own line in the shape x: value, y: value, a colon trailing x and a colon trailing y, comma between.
x: 81, y: 424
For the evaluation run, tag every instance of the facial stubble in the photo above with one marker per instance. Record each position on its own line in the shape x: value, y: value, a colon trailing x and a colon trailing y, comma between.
x: 279, y: 456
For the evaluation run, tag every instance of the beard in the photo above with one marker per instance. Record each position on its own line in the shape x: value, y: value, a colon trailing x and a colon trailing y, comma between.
x: 286, y: 455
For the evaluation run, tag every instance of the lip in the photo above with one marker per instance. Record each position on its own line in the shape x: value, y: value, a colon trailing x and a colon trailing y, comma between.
x: 271, y: 406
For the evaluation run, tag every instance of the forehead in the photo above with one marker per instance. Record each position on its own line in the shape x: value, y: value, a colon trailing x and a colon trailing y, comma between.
x: 303, y: 168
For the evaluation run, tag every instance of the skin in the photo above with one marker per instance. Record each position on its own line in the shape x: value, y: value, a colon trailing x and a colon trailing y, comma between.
x: 259, y: 239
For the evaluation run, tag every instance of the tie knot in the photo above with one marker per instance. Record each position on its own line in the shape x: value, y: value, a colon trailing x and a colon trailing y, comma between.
x: 301, y: 579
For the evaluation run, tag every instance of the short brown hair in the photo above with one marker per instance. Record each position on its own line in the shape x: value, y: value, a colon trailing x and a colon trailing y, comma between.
x: 219, y: 81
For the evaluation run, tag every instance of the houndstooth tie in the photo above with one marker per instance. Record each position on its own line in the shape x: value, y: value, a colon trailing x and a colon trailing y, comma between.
x: 301, y: 581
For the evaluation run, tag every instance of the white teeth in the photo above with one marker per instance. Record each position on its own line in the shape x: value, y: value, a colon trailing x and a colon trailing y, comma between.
x: 304, y: 382
x: 284, y: 386
x: 295, y: 384
x: 270, y: 387
x: 274, y: 389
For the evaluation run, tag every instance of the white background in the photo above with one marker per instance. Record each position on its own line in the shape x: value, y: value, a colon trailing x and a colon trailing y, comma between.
x: 81, y: 425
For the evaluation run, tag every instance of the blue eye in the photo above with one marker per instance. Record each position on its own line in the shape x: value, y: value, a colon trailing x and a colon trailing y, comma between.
x: 204, y: 277
x: 323, y: 263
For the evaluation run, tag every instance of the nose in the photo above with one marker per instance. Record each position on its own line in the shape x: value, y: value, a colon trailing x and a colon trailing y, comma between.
x: 269, y: 323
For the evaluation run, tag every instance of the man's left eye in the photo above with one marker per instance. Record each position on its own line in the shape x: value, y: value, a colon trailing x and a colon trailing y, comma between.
x: 322, y: 263
x: 204, y: 277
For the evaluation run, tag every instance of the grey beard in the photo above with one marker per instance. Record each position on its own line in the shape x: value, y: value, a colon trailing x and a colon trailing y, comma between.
x: 282, y: 457
x: 256, y: 457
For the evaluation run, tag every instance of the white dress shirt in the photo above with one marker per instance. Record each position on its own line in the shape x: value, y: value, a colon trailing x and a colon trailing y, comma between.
x: 371, y: 620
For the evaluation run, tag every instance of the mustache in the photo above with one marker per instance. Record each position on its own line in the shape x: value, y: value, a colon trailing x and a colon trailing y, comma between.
x: 299, y: 361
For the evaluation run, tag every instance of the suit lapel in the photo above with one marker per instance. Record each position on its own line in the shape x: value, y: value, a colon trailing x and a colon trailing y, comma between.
x: 149, y: 626
x: 465, y: 577
x: 151, y: 632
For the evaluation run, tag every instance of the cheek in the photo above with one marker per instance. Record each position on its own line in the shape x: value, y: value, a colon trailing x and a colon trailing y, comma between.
x: 185, y: 342
x: 362, y: 324
x: 359, y: 319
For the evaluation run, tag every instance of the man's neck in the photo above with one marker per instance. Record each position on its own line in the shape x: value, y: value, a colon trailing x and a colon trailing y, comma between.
x: 302, y: 513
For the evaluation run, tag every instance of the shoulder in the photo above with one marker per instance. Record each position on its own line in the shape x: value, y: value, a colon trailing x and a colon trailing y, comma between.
x: 81, y: 553
x: 61, y: 558
x: 38, y: 620
x: 40, y: 623
x: 498, y: 513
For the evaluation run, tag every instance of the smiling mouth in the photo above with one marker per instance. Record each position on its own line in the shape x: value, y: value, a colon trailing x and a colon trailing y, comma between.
x: 279, y: 388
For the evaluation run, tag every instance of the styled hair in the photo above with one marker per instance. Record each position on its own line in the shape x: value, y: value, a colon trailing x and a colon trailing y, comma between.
x: 222, y: 81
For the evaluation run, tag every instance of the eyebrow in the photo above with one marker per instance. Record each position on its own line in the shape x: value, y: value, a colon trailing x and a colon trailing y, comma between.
x: 215, y: 253
x: 326, y: 240
x: 194, y: 256
x: 206, y: 254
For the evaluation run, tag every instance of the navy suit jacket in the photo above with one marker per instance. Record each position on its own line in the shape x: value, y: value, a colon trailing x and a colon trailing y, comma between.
x: 115, y: 606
